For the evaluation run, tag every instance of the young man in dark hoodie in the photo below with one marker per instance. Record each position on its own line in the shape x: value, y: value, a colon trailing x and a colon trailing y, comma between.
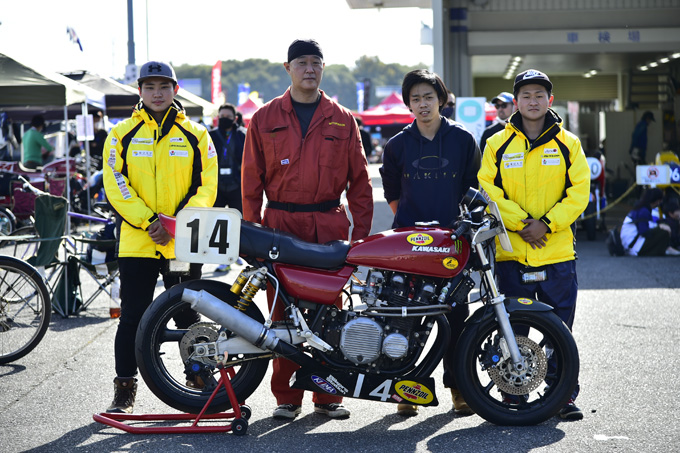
x: 427, y: 168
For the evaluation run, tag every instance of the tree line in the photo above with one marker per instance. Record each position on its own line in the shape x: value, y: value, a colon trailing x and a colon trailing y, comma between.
x: 271, y: 80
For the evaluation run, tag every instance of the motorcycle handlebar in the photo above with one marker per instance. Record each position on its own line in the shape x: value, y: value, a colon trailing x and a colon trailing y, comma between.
x: 462, y: 228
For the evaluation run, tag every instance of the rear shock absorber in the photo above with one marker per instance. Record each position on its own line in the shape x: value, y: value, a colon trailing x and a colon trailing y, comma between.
x: 257, y: 281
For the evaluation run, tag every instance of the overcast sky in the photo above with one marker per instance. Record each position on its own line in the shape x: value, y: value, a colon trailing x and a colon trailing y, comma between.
x: 204, y: 31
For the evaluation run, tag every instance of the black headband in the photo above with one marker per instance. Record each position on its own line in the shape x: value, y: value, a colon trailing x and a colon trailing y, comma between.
x: 302, y: 47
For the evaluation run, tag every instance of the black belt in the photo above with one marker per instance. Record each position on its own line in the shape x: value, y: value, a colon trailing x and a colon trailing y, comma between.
x: 296, y: 207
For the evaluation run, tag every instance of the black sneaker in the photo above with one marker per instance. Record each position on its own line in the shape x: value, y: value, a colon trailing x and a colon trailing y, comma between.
x: 286, y: 411
x: 333, y: 410
x: 571, y: 412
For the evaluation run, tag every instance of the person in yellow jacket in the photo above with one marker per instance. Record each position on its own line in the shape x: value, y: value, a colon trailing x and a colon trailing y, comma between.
x: 538, y: 175
x: 157, y: 161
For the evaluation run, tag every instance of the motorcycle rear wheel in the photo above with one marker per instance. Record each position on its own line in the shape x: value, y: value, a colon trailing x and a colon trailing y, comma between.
x: 158, y: 356
x: 550, y: 336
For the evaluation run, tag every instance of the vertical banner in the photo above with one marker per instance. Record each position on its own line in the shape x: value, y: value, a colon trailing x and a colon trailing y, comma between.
x: 470, y: 112
x: 360, y: 97
x: 216, y: 85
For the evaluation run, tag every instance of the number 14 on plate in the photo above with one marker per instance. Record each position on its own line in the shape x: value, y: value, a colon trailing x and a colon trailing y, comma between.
x: 208, y: 235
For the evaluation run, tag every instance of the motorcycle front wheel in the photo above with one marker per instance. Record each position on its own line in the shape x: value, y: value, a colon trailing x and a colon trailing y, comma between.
x: 504, y: 396
x: 164, y: 351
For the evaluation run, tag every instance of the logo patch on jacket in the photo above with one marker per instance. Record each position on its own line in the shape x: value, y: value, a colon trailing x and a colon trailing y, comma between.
x: 513, y: 156
x: 114, y: 141
x: 177, y: 140
x: 551, y: 152
x: 514, y: 164
x: 141, y: 153
x: 550, y: 161
x: 211, y: 150
x: 179, y: 153
x: 142, y: 141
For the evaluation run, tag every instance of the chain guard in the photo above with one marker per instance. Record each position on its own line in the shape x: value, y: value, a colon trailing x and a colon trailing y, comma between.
x: 512, y: 382
x: 201, y: 332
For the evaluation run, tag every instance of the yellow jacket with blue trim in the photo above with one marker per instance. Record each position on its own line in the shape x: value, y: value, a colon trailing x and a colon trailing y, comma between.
x: 547, y: 180
x: 153, y: 169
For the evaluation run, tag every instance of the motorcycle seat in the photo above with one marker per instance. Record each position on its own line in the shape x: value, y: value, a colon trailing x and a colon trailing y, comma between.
x: 278, y: 246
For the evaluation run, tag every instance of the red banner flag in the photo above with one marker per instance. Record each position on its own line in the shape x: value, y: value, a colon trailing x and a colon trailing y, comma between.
x: 216, y: 91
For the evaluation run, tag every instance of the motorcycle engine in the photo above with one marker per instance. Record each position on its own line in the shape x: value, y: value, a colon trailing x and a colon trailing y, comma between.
x: 384, y: 341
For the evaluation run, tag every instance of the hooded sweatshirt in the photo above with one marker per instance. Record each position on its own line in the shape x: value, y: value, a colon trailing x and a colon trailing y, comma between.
x: 429, y: 177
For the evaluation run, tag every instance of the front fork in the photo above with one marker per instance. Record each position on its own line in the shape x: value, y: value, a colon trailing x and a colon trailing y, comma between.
x: 502, y: 316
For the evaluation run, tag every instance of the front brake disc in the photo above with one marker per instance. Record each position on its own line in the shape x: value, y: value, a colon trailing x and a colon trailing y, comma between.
x: 514, y: 382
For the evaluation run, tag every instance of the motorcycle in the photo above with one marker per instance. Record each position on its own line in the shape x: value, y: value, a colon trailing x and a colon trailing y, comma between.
x: 516, y: 361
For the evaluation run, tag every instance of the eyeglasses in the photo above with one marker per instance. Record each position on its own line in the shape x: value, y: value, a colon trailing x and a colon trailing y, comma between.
x: 501, y: 106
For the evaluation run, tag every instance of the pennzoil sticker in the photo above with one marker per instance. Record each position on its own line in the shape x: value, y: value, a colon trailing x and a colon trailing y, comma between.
x: 450, y: 262
x: 419, y: 239
x: 414, y: 392
x: 525, y: 301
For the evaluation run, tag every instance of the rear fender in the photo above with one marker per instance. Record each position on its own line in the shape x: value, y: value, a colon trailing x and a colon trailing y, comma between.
x: 512, y: 304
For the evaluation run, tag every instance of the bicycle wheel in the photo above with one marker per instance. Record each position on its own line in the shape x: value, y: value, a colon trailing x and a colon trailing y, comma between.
x: 23, y: 248
x: 25, y: 308
x: 7, y: 221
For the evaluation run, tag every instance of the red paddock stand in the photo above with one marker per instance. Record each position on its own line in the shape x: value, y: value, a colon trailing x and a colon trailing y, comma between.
x: 239, y: 425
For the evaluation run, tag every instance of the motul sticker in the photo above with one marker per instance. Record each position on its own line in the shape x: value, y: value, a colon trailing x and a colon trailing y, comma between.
x: 179, y: 153
x: 142, y: 141
x: 525, y: 301
x: 419, y: 239
x: 138, y: 153
x: 323, y: 385
x: 450, y: 262
x: 426, y: 249
x: 414, y: 392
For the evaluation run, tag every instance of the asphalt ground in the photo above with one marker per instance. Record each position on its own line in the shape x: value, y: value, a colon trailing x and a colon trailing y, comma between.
x: 626, y: 328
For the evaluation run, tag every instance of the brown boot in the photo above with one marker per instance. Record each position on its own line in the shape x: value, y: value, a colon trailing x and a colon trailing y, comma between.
x: 407, y: 410
x: 124, y: 392
x: 460, y: 407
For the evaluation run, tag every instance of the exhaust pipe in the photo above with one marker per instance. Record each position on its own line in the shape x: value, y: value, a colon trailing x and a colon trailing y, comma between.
x: 231, y: 318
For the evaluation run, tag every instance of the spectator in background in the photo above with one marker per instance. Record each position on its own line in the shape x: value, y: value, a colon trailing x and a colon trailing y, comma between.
x: 365, y: 138
x: 449, y: 109
x: 228, y: 139
x: 37, y: 151
x: 504, y: 108
x: 644, y: 235
x: 671, y: 213
x: 638, y: 144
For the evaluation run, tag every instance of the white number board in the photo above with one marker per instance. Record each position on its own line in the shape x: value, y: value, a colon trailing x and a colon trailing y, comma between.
x: 652, y: 175
x: 208, y: 235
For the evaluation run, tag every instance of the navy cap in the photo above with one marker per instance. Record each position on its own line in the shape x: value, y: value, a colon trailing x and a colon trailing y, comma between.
x: 503, y: 97
x: 531, y: 76
x: 156, y: 69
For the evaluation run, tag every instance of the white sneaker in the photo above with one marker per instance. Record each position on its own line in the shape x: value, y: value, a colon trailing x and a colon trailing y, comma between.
x: 670, y: 251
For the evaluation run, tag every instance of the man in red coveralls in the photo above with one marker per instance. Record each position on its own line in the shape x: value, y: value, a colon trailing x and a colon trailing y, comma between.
x: 303, y: 150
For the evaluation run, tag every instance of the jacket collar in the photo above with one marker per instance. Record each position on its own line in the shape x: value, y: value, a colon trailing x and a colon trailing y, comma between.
x: 325, y: 103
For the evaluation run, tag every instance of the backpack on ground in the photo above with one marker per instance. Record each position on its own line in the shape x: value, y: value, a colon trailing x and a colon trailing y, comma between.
x: 613, y: 241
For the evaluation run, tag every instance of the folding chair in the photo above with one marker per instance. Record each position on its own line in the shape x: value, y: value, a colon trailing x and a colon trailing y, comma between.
x: 63, y: 274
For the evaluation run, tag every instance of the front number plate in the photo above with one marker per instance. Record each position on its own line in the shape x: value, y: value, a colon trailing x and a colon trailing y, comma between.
x: 208, y: 235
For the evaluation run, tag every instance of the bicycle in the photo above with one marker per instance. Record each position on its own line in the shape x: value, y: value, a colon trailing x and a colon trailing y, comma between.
x: 25, y: 308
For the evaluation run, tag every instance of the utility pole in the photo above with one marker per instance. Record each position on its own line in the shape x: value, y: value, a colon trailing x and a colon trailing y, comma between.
x: 131, y: 68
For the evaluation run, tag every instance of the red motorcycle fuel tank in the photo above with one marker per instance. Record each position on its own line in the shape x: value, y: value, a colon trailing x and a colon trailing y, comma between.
x: 315, y: 285
x: 417, y: 250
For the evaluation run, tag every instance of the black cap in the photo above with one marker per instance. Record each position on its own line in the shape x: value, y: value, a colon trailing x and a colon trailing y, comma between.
x: 648, y: 116
x: 301, y: 47
x: 156, y: 69
x: 531, y: 76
